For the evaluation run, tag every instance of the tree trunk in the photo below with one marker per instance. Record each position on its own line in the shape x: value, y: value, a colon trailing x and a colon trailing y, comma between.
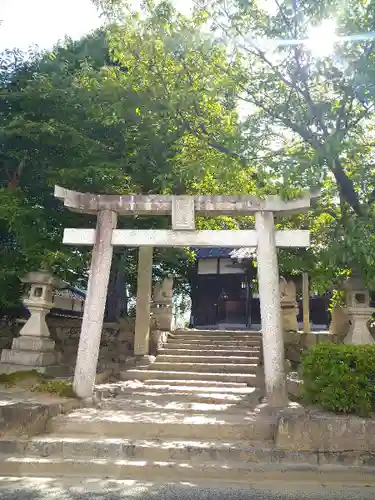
x: 117, y: 299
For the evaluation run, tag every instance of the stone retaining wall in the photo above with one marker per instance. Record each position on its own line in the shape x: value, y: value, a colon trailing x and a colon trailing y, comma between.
x: 24, y: 414
x: 310, y: 339
x: 327, y: 438
x: 8, y: 330
x: 295, y: 343
x: 115, y: 348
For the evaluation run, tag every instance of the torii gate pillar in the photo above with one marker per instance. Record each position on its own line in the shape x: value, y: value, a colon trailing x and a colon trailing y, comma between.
x: 143, y: 304
x: 92, y: 322
x: 270, y: 309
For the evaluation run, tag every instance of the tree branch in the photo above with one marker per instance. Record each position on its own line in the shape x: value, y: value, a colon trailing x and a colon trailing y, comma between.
x: 306, y: 93
x: 14, y: 179
x: 346, y: 187
x: 210, y: 141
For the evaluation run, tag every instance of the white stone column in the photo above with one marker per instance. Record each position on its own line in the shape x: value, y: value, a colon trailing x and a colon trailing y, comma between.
x: 143, y: 304
x: 269, y: 295
x: 306, y: 302
x: 93, y: 315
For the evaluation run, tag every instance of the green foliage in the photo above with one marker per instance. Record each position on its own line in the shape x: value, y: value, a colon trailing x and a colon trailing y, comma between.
x: 11, y: 379
x: 158, y: 102
x: 340, y: 378
x: 37, y: 382
x: 62, y: 388
x: 93, y: 119
x: 314, y: 114
x: 337, y: 299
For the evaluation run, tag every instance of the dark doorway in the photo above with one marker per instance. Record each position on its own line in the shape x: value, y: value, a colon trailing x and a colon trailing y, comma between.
x: 222, y: 299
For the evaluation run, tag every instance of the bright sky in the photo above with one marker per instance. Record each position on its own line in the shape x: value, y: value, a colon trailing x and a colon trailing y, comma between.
x: 43, y: 22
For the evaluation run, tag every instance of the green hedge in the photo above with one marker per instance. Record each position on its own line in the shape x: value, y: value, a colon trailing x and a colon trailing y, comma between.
x: 340, y: 378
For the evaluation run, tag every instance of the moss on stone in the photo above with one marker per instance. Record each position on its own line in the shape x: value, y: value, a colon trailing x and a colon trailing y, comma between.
x: 15, y: 378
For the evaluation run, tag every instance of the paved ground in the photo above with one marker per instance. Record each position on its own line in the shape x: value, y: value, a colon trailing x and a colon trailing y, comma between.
x: 76, y: 489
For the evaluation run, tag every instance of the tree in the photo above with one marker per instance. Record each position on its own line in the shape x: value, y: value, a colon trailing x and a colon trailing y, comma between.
x: 307, y: 118
x: 315, y: 111
x: 77, y: 117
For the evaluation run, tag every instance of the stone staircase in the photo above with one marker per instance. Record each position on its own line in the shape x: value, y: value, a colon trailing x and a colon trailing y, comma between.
x: 207, y: 357
x: 193, y: 415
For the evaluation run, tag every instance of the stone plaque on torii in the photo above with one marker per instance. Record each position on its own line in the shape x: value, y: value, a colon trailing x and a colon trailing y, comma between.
x: 183, y: 234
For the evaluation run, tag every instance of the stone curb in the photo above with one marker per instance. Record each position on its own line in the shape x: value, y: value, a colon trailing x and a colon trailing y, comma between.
x: 128, y: 450
x: 25, y: 419
x: 47, y: 467
x: 326, y: 434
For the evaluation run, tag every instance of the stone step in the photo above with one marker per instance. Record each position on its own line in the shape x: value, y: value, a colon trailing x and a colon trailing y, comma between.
x: 249, y: 344
x: 188, y: 391
x: 208, y: 384
x: 230, y: 368
x: 254, y: 333
x: 213, y: 347
x: 232, y: 472
x: 176, y: 350
x: 185, y: 358
x: 148, y: 374
x: 218, y: 338
x: 183, y: 401
x: 216, y: 343
x: 193, y: 451
x: 214, y: 395
x: 247, y: 425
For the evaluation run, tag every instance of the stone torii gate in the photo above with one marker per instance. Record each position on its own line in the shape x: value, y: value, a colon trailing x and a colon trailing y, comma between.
x: 183, y: 234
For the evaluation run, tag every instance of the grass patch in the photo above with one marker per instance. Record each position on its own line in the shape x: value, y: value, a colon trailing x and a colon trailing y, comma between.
x: 61, y: 388
x: 17, y: 378
x: 37, y: 382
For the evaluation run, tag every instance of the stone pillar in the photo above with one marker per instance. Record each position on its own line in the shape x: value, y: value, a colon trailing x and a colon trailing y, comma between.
x: 92, y: 322
x: 143, y: 305
x: 339, y: 325
x: 289, y: 306
x: 34, y: 349
x: 289, y: 312
x: 306, y: 302
x: 269, y: 294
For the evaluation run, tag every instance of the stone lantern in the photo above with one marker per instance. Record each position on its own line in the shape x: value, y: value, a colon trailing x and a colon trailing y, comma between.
x: 33, y: 349
x: 359, y: 312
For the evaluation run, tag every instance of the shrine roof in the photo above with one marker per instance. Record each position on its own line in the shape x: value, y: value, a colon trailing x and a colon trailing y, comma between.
x: 213, y: 253
x: 70, y: 291
x: 224, y: 253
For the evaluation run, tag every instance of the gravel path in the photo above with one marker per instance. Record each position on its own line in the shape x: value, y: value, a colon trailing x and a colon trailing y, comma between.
x: 81, y: 489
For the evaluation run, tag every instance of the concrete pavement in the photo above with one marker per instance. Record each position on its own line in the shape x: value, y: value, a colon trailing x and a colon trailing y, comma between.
x: 100, y: 489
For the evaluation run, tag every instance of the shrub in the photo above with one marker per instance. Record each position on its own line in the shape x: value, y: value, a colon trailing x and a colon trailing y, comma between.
x: 340, y: 378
